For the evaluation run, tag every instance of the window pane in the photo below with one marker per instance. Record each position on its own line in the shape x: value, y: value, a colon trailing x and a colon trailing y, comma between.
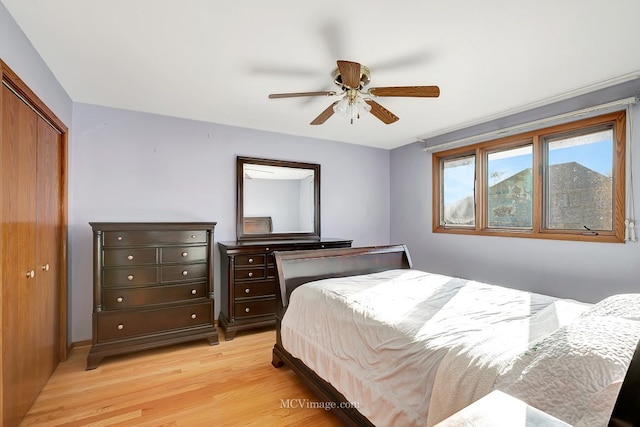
x: 579, y: 181
x: 509, y: 196
x: 457, y: 193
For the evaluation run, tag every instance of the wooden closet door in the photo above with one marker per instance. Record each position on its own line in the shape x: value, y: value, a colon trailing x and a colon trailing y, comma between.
x: 48, y: 229
x: 18, y: 173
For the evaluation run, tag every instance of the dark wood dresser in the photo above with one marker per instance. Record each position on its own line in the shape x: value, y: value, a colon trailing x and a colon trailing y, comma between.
x: 248, y: 284
x: 152, y: 286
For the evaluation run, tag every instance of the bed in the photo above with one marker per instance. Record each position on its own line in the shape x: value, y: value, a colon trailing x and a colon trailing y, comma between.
x: 381, y: 343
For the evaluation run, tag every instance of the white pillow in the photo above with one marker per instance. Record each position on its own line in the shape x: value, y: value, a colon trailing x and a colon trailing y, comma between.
x: 626, y: 306
x: 575, y: 373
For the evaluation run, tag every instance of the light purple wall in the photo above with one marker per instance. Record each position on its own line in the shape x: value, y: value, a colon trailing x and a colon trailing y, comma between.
x: 130, y: 166
x: 579, y: 270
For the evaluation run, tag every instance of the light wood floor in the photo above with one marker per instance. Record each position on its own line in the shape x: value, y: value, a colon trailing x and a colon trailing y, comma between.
x: 229, y: 384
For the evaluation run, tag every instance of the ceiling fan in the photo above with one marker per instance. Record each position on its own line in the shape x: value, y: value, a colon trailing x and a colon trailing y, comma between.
x: 352, y: 78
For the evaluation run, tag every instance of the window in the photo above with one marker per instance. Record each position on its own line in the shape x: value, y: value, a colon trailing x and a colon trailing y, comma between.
x: 510, y: 188
x: 563, y: 182
x: 457, y: 203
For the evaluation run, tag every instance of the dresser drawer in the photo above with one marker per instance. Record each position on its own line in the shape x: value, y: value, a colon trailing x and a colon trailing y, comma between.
x: 114, y: 299
x: 255, y: 308
x: 139, y: 276
x: 153, y: 237
x: 129, y: 256
x: 184, y: 272
x: 120, y: 325
x: 249, y: 273
x: 183, y: 254
x: 255, y: 289
x: 250, y: 260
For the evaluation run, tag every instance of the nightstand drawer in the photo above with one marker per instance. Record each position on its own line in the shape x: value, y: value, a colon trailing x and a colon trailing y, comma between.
x: 250, y: 260
x: 255, y: 308
x: 114, y: 299
x: 249, y: 273
x: 174, y: 254
x: 184, y: 272
x: 130, y: 276
x: 118, y: 325
x: 155, y: 237
x: 129, y: 256
x: 255, y: 289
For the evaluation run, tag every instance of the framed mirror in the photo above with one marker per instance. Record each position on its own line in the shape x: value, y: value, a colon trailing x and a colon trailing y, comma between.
x: 277, y: 199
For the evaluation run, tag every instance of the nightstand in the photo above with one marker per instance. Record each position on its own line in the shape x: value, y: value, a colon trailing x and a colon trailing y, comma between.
x: 498, y: 409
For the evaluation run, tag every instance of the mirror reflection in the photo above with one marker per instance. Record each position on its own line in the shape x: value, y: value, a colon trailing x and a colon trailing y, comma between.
x: 277, y: 199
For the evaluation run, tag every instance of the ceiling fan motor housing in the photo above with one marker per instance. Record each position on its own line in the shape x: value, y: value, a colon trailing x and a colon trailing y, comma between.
x: 365, y: 78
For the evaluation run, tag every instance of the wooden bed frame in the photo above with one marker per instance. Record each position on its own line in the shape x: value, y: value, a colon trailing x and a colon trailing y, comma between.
x: 298, y: 267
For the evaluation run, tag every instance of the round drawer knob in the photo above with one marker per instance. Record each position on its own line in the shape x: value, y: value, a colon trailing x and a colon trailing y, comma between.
x: 193, y: 236
x: 250, y: 260
x: 266, y: 249
x: 120, y: 326
x: 185, y: 272
x: 119, y: 237
x: 246, y: 310
x: 184, y: 254
x: 247, y: 290
x: 119, y: 299
x: 130, y: 277
x: 250, y: 274
x: 193, y: 316
x: 130, y: 257
x: 193, y: 292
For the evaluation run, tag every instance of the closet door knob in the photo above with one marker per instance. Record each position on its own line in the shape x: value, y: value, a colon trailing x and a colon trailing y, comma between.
x: 45, y: 267
x: 31, y: 274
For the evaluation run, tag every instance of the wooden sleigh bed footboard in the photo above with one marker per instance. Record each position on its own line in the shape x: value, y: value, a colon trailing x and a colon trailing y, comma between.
x: 296, y: 268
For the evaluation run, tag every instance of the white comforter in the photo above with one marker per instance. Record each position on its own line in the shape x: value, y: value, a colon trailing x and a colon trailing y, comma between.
x: 406, y: 330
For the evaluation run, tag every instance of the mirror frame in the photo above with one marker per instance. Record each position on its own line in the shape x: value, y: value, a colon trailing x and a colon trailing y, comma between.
x: 241, y: 235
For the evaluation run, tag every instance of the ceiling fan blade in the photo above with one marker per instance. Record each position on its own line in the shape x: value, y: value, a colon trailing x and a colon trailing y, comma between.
x: 322, y: 117
x: 382, y: 113
x: 350, y: 73
x: 411, y: 91
x: 297, y: 94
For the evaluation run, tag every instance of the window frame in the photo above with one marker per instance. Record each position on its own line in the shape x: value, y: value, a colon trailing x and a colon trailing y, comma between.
x: 536, y: 139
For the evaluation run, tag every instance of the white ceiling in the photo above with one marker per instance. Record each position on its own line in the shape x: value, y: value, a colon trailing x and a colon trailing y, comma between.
x: 217, y: 61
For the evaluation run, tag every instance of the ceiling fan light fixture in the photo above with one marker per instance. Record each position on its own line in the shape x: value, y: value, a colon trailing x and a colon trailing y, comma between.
x: 351, y: 107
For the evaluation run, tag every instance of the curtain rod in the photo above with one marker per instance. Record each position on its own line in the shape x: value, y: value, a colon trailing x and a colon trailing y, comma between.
x: 536, y: 124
